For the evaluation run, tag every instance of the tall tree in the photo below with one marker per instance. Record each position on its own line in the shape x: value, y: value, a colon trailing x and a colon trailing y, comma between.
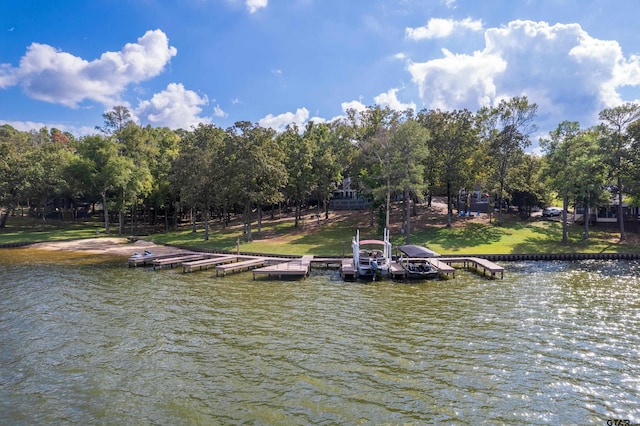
x: 616, y: 146
x: 559, y: 150
x: 201, y: 173
x: 13, y: 169
x: 590, y: 173
x: 137, y: 146
x: 103, y: 169
x: 258, y: 165
x: 410, y: 142
x: 299, y: 152
x: 454, y: 136
x: 115, y: 120
x: 327, y: 162
x: 507, y: 128
x: 375, y: 128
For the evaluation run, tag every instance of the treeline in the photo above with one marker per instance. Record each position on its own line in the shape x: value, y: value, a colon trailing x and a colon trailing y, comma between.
x: 248, y: 169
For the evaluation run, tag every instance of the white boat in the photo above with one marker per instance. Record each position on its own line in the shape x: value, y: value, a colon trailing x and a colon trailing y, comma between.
x: 371, y: 258
x: 414, y: 261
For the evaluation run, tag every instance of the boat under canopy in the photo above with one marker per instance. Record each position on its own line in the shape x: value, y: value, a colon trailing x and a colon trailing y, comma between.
x: 414, y: 251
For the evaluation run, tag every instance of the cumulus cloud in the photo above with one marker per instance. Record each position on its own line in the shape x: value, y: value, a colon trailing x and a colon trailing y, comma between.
x: 354, y: 105
x: 281, y: 121
x: 175, y: 107
x: 570, y: 74
x: 442, y: 28
x: 254, y: 5
x: 390, y: 99
x: 50, y: 75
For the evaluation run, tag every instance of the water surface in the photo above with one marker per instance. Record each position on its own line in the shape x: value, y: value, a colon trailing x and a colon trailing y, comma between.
x: 87, y: 340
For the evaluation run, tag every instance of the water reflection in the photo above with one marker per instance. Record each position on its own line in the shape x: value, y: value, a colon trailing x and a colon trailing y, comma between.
x: 89, y: 342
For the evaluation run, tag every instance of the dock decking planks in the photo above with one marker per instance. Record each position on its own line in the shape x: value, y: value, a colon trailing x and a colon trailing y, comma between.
x: 478, y: 263
x: 206, y: 263
x: 297, y: 267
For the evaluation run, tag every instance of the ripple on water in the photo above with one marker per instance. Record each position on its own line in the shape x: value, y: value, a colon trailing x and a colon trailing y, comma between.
x: 553, y: 342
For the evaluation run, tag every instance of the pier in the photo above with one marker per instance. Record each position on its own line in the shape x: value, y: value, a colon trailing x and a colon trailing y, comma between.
x: 293, y: 268
x: 477, y: 263
x: 299, y: 267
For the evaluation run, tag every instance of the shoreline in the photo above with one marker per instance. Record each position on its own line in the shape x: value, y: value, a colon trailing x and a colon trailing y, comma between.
x: 118, y: 246
x: 122, y: 246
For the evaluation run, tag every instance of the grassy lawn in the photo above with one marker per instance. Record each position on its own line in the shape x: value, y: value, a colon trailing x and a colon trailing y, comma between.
x: 474, y: 238
x: 333, y: 237
x: 28, y: 231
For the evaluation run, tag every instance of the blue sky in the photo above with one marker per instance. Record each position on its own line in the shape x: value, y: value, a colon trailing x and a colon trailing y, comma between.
x: 276, y: 62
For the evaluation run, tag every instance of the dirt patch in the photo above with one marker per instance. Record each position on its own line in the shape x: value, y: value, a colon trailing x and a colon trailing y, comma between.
x: 104, y: 245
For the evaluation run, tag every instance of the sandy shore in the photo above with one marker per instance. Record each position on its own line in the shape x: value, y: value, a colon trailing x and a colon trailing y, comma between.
x: 105, y: 245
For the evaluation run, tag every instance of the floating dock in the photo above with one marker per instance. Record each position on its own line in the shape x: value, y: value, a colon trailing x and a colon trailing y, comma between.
x: 293, y: 268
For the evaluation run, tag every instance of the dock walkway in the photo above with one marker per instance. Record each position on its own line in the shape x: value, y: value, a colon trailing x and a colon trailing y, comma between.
x: 241, y: 265
x: 443, y: 267
x: 296, y: 268
x: 207, y: 263
x: 478, y: 263
x: 177, y: 260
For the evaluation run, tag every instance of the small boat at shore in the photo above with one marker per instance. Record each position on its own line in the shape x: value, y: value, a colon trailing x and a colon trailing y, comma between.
x: 415, y: 263
x: 371, y: 258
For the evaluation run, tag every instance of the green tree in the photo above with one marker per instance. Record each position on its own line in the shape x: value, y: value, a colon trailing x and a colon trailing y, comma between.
x: 202, y: 172
x: 299, y: 152
x: 616, y: 148
x: 13, y: 169
x: 507, y: 128
x: 559, y: 150
x: 258, y: 165
x: 526, y: 185
x: 411, y: 153
x: 589, y: 171
x: 103, y: 169
x: 454, y: 136
x: 375, y: 128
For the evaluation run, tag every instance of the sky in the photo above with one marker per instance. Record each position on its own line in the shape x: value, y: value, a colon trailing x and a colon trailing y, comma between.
x: 277, y: 62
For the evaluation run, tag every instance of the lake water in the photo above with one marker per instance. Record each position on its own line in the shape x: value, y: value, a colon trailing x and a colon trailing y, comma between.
x: 86, y: 340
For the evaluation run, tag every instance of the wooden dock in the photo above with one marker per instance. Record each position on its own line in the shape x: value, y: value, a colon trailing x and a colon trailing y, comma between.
x: 293, y: 268
x: 249, y: 263
x: 177, y: 260
x: 207, y: 263
x: 347, y: 270
x: 145, y: 260
x: 444, y: 269
x: 477, y: 263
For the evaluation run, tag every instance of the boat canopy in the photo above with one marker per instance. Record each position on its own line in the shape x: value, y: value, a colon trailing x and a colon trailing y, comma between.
x: 365, y: 242
x: 411, y: 250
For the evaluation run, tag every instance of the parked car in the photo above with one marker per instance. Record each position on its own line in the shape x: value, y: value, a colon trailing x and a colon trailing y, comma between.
x: 552, y: 211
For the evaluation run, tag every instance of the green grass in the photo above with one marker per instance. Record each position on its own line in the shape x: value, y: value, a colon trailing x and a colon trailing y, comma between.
x: 333, y: 238
x: 516, y: 237
x: 475, y: 238
x: 29, y: 231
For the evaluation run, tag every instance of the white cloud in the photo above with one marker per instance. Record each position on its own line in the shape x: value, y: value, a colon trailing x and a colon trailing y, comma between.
x: 355, y: 105
x: 218, y: 112
x: 568, y: 73
x: 48, y: 74
x: 175, y: 107
x: 254, y: 5
x: 442, y: 28
x: 281, y: 121
x: 390, y: 99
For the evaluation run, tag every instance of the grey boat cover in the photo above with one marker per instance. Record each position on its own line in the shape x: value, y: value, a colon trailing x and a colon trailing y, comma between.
x: 411, y: 250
